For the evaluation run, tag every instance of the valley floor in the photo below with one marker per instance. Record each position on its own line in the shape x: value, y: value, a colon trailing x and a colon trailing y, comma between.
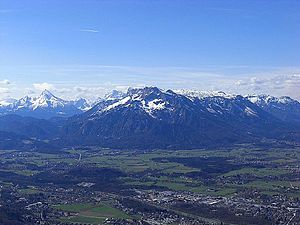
x: 239, y: 185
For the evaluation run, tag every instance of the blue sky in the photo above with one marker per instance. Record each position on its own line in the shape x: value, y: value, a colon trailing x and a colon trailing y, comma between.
x: 85, y: 48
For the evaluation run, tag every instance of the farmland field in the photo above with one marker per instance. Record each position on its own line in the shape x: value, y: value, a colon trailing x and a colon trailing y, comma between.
x: 107, y: 184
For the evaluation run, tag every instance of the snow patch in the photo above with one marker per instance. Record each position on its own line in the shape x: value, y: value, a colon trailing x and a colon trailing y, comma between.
x: 118, y: 103
x: 250, y: 111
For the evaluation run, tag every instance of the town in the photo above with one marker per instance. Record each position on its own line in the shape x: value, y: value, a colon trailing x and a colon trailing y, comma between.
x: 103, y: 186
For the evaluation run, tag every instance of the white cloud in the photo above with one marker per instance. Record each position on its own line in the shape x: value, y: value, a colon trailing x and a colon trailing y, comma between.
x: 43, y: 86
x: 29, y: 91
x: 93, y: 81
x: 4, y: 90
x: 275, y: 85
x: 241, y: 83
x: 255, y: 80
x: 6, y: 82
x: 89, y: 30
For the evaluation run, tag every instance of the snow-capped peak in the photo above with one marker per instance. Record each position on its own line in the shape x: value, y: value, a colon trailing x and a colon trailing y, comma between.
x: 81, y: 104
x: 203, y: 94
x: 45, y: 105
x: 114, y: 94
x: 47, y: 99
x: 47, y: 94
x: 148, y: 99
x: 7, y: 102
x: 267, y: 99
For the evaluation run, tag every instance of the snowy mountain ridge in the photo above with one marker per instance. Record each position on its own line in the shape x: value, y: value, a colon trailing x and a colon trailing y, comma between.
x: 203, y: 94
x: 268, y: 99
x: 152, y: 100
x: 45, y: 105
x: 150, y: 117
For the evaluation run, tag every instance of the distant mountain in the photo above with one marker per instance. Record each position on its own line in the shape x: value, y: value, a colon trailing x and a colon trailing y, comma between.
x: 44, y: 106
x: 13, y: 141
x: 81, y: 104
x: 148, y: 118
x: 30, y: 127
x: 154, y: 118
x: 114, y: 94
x: 203, y: 94
x: 109, y: 97
x: 7, y: 102
x: 284, y: 108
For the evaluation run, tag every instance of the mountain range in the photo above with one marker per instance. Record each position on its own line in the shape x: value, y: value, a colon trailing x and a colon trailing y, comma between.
x: 45, y: 106
x: 148, y: 118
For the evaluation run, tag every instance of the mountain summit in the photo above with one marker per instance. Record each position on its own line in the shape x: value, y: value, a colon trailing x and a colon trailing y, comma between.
x: 284, y: 108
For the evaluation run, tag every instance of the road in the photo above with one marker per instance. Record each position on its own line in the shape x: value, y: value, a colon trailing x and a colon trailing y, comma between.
x: 291, y: 219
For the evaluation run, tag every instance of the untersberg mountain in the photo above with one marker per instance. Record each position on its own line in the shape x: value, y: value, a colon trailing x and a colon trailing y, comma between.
x: 148, y: 118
